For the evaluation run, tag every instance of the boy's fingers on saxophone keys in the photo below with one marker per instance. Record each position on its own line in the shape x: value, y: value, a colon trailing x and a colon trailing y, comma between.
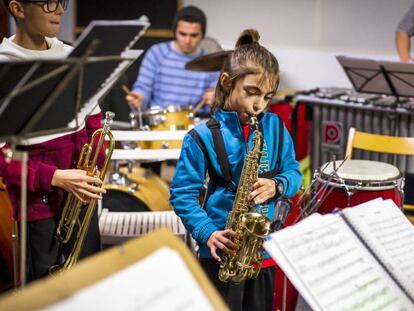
x: 221, y: 246
x: 260, y: 199
x: 252, y: 195
x: 226, y: 250
x: 228, y: 243
x: 231, y: 245
x: 214, y: 254
x: 229, y: 232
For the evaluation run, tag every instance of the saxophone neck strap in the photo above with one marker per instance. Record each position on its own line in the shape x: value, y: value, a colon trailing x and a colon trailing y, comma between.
x: 221, y: 152
x: 226, y: 181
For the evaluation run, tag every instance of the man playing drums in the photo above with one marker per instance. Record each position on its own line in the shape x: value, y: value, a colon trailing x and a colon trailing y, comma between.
x: 162, y: 80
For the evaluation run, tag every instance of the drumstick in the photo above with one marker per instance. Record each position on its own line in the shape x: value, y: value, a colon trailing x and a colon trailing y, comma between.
x: 198, y: 106
x: 136, y: 110
x: 126, y: 89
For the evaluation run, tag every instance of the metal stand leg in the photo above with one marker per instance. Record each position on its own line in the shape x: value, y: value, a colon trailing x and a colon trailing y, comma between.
x: 284, y: 291
x: 15, y: 251
x: 23, y: 218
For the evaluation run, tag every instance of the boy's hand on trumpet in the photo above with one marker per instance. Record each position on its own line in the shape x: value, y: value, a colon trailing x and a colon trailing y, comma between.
x: 78, y: 183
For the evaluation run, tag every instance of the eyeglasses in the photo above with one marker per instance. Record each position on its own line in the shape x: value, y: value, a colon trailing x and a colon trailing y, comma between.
x: 49, y: 6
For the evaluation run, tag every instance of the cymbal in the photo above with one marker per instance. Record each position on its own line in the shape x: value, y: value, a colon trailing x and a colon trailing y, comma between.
x: 209, y: 62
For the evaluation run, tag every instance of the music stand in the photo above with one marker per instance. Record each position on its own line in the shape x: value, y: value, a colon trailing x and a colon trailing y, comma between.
x: 114, y: 37
x: 16, y: 122
x: 62, y: 91
x: 400, y: 77
x: 380, y: 77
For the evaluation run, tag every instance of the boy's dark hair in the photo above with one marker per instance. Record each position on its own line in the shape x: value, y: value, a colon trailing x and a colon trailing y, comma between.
x: 191, y: 14
x: 249, y: 57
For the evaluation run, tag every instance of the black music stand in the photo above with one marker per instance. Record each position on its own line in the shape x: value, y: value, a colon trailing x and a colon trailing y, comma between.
x: 365, y: 75
x: 114, y: 38
x: 28, y: 101
x: 380, y: 77
x: 36, y: 89
x: 400, y: 77
x: 41, y: 97
x: 97, y: 57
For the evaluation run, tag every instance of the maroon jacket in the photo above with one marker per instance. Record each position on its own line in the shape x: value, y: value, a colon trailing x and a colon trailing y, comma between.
x: 45, y: 201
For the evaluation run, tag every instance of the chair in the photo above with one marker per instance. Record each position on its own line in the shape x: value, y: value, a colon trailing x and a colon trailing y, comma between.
x: 378, y: 143
x: 384, y: 144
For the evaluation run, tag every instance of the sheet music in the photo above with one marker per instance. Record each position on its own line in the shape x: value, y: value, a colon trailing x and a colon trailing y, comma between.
x: 391, y: 236
x: 331, y: 268
x: 160, y: 281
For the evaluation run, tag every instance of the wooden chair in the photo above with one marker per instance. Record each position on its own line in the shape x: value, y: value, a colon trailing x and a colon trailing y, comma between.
x: 383, y: 144
x: 378, y: 143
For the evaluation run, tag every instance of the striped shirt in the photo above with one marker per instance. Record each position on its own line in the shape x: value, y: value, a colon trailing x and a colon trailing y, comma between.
x: 407, y: 22
x: 164, y: 81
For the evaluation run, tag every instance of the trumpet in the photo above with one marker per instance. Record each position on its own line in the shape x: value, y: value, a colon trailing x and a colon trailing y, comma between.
x: 73, y: 206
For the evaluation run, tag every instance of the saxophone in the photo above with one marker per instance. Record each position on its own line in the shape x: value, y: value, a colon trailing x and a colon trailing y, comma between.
x: 250, y: 226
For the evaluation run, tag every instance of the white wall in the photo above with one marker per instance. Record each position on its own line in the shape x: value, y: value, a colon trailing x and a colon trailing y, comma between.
x: 305, y: 35
x: 68, y: 23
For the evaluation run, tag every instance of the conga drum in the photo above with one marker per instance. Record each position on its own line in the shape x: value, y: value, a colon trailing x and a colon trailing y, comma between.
x: 356, y: 182
x: 353, y: 183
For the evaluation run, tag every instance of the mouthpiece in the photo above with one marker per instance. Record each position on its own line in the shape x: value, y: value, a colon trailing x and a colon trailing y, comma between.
x: 109, y: 116
x: 253, y: 123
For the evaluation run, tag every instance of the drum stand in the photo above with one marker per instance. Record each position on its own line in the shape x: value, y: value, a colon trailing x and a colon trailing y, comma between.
x: 316, y: 194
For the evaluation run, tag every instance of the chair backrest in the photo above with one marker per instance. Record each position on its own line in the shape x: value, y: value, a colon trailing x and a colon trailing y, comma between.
x: 378, y: 143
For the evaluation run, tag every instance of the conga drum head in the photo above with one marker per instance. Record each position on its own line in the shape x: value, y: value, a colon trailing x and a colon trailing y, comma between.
x: 362, y: 174
x: 356, y: 182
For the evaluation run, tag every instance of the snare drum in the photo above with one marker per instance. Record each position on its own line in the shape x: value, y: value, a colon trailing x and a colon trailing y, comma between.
x: 171, y: 118
x: 141, y: 191
x: 356, y: 182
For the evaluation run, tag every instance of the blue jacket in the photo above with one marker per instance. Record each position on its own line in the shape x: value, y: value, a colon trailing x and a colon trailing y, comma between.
x: 192, y: 166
